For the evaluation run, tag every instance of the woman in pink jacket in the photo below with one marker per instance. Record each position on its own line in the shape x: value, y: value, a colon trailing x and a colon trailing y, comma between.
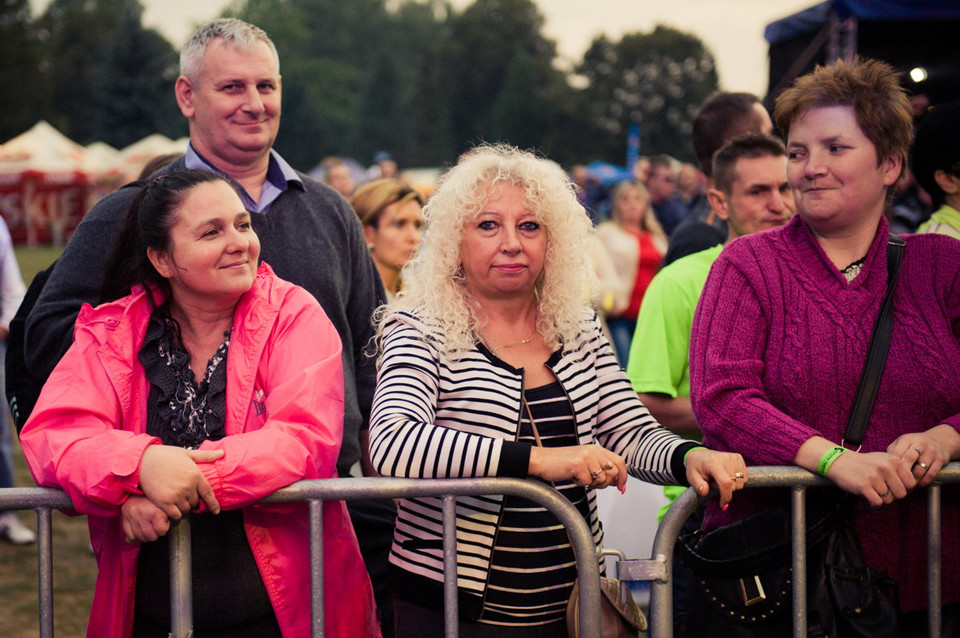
x: 210, y: 386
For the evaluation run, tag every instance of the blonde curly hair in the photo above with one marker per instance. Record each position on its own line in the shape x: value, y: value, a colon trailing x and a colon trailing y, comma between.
x: 435, y: 286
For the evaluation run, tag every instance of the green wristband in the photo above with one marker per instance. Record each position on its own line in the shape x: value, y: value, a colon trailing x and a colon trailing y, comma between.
x: 685, y: 454
x: 826, y: 461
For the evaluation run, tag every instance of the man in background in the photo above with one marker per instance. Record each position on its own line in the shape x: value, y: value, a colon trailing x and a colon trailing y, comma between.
x: 337, y: 176
x: 721, y: 118
x: 750, y: 193
x: 662, y: 186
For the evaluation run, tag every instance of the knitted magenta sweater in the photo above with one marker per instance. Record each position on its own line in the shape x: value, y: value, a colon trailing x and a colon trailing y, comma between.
x: 778, y: 345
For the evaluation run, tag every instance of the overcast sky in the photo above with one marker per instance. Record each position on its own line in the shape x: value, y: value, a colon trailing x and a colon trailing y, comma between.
x: 732, y: 29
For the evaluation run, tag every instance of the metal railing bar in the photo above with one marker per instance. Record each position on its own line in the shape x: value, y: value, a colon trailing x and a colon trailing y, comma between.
x: 660, y: 613
x: 451, y: 611
x: 35, y: 498
x: 798, y: 501
x: 934, y: 546
x: 43, y: 500
x: 316, y: 567
x: 181, y: 580
x: 581, y: 539
x: 657, y: 569
x: 45, y: 570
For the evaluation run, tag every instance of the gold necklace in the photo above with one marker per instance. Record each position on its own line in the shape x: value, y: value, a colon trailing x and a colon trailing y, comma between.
x: 522, y: 342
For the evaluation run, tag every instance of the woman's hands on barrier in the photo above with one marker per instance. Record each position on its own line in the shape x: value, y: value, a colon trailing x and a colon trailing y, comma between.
x: 925, y: 453
x: 728, y: 471
x: 587, y: 465
x: 170, y: 478
x: 879, y: 477
x: 142, y: 520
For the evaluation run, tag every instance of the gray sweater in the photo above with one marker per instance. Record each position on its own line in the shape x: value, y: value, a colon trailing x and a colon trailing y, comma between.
x: 310, y: 236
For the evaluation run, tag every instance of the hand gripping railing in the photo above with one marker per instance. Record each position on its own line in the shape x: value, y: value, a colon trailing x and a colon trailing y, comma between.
x: 43, y: 500
x: 659, y: 568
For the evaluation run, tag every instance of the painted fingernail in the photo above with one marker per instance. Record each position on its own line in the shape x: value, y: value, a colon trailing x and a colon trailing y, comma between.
x: 725, y: 507
x: 623, y: 488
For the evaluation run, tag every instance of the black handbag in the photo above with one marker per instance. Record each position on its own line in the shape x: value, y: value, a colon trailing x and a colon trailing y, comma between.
x: 743, y: 571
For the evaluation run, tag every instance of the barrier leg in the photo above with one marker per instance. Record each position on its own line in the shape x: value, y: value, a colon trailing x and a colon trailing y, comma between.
x: 45, y: 571
x: 934, y: 540
x: 451, y: 613
x: 316, y: 567
x: 181, y: 583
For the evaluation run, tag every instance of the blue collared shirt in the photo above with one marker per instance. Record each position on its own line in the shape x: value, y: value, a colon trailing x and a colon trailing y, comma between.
x: 279, y: 176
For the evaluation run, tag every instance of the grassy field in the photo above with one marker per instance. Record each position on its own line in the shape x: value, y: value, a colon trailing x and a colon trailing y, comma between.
x: 74, y: 566
x: 34, y: 259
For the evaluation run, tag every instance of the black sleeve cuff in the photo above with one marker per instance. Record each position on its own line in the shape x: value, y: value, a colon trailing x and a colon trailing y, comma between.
x: 677, y: 466
x: 514, y: 460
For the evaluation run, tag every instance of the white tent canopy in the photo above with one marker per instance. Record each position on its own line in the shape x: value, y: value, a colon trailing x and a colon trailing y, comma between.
x: 133, y: 158
x: 43, y: 149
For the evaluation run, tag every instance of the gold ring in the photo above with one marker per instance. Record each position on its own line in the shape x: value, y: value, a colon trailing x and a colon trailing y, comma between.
x: 738, y: 476
x: 608, y: 466
x: 596, y: 474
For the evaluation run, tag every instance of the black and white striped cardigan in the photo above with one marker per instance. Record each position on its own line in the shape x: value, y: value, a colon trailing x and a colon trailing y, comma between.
x: 439, y: 417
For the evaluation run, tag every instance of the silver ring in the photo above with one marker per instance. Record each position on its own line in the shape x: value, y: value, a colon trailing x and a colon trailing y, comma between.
x: 923, y: 465
x: 596, y: 474
x: 885, y: 494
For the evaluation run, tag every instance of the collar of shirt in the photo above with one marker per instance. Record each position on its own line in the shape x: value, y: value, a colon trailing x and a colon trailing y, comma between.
x: 280, y: 176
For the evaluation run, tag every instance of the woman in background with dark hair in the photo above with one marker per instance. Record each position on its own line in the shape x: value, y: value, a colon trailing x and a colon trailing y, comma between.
x: 208, y: 386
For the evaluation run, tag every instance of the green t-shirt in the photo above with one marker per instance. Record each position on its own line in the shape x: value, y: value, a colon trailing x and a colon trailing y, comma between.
x: 660, y: 351
x: 945, y: 221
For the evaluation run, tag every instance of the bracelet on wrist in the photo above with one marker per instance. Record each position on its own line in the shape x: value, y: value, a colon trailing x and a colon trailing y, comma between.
x: 687, y: 453
x: 826, y: 461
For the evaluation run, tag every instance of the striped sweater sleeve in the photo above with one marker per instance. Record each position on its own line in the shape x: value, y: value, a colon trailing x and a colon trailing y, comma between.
x: 625, y: 426
x: 405, y: 440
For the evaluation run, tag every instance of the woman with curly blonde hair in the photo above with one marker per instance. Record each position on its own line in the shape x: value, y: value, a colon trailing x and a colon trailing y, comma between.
x: 493, y: 364
x: 435, y: 278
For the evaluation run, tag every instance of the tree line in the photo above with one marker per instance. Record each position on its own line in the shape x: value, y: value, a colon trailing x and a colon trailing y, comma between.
x: 414, y: 77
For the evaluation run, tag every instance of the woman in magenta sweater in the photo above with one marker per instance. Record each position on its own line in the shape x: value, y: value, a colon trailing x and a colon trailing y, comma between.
x: 785, y: 319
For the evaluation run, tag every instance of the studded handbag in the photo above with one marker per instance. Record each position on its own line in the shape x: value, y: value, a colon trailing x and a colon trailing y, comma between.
x: 744, y: 576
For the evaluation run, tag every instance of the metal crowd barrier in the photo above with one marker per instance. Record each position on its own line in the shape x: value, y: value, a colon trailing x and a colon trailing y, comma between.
x: 43, y: 500
x: 659, y: 567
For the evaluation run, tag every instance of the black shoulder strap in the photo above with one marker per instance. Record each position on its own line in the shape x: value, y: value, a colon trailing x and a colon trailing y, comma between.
x: 877, y: 353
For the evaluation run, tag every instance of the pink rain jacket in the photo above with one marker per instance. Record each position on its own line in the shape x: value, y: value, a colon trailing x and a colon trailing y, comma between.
x: 284, y: 423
